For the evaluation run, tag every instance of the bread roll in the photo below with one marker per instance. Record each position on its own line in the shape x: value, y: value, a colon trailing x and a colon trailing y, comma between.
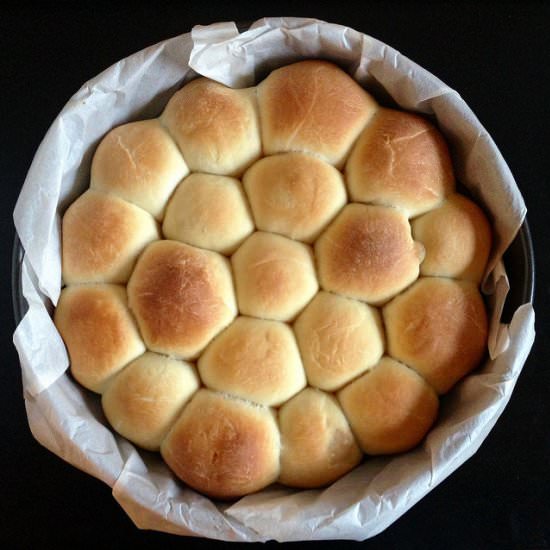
x: 182, y: 297
x: 368, y: 253
x: 216, y: 127
x: 438, y: 327
x: 100, y: 333
x: 390, y: 408
x: 139, y: 162
x: 102, y: 238
x: 400, y: 160
x: 209, y: 212
x: 457, y: 239
x: 313, y: 107
x: 254, y: 359
x: 143, y: 401
x: 317, y: 446
x: 223, y: 446
x: 294, y: 194
x: 339, y: 338
x: 274, y: 276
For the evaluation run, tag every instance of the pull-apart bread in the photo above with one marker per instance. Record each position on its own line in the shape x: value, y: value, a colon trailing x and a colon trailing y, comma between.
x: 267, y: 284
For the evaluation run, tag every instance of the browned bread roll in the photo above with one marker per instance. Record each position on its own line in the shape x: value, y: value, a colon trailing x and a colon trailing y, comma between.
x: 223, y: 446
x: 317, y: 446
x: 139, y: 162
x: 293, y: 312
x: 368, y: 253
x: 144, y: 400
x: 314, y: 107
x: 274, y: 276
x: 99, y: 332
x: 457, y: 239
x: 390, y: 408
x: 103, y: 237
x: 400, y: 160
x: 210, y: 212
x: 215, y: 127
x: 254, y: 359
x: 182, y: 297
x: 339, y: 338
x: 294, y: 194
x: 439, y: 328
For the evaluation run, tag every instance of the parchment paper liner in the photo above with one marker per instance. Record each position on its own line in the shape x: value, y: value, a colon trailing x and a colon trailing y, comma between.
x: 68, y: 420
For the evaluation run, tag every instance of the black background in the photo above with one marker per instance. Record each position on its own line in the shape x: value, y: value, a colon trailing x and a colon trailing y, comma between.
x: 496, y: 55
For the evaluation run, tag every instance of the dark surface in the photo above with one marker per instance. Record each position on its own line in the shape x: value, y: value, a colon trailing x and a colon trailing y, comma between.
x: 495, y: 55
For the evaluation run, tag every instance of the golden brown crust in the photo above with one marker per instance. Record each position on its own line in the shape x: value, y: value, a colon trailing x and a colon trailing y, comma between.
x: 182, y: 297
x: 143, y: 400
x: 317, y: 445
x: 223, y: 447
x: 400, y: 160
x: 102, y: 238
x: 457, y: 239
x: 339, y: 339
x: 139, y: 162
x: 254, y: 359
x: 210, y: 212
x: 274, y: 276
x: 390, y: 408
x: 224, y: 440
x: 368, y: 253
x: 314, y: 107
x: 100, y: 334
x: 216, y: 127
x: 294, y: 194
x: 439, y: 328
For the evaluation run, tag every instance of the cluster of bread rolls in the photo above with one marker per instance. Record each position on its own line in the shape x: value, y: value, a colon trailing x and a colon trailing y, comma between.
x: 267, y: 283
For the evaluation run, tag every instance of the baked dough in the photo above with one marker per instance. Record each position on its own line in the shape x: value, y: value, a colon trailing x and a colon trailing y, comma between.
x: 303, y: 296
x: 223, y: 446
x: 254, y: 359
x: 99, y: 331
x: 438, y: 327
x: 400, y: 160
x: 339, y: 338
x: 390, y: 408
x: 368, y: 253
x: 181, y: 296
x: 145, y: 399
x: 317, y: 445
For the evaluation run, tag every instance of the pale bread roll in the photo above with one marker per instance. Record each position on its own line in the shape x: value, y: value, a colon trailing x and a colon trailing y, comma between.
x: 140, y: 163
x: 224, y: 447
x: 210, y: 212
x: 216, y: 127
x: 143, y: 401
x: 457, y: 239
x: 390, y: 408
x: 339, y: 338
x: 102, y: 237
x: 313, y: 107
x: 439, y: 328
x: 368, y: 253
x: 274, y: 276
x: 254, y: 359
x: 400, y: 160
x: 317, y: 445
x: 100, y: 333
x: 294, y: 194
x: 182, y: 297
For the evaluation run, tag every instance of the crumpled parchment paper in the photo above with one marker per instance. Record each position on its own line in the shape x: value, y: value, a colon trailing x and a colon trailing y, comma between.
x: 68, y: 420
